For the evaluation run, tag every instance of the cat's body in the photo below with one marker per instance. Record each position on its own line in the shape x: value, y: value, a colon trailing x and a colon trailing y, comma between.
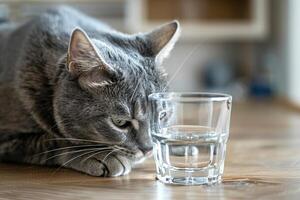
x: 78, y: 99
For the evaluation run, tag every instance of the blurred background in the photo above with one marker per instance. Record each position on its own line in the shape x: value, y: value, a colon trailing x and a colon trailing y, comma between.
x: 248, y: 48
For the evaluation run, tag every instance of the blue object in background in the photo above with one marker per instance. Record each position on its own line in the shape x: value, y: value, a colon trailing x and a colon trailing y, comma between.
x: 260, y: 88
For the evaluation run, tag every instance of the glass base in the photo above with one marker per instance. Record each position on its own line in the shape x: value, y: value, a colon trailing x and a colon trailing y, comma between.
x: 184, y: 177
x: 190, y: 180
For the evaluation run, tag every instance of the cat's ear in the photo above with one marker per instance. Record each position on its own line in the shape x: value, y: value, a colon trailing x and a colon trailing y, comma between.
x: 162, y: 39
x: 85, y: 63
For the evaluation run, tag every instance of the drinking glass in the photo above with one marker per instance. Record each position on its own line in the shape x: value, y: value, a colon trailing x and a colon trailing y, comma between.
x: 189, y: 133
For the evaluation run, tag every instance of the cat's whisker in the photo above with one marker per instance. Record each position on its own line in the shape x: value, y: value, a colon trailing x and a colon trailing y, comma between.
x: 119, y: 147
x: 191, y: 53
x: 72, y: 159
x: 69, y: 147
x: 109, y: 154
x: 122, y: 149
x: 80, y: 140
x: 75, y: 151
x: 62, y: 121
x: 94, y: 154
x: 96, y: 142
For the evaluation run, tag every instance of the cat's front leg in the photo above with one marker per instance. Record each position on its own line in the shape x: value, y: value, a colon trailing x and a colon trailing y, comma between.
x: 35, y: 148
x: 42, y: 149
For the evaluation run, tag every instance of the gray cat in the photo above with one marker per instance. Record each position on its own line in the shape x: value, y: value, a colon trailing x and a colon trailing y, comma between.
x: 74, y: 92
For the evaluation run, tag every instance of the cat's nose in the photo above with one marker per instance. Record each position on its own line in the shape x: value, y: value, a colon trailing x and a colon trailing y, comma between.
x: 146, y: 149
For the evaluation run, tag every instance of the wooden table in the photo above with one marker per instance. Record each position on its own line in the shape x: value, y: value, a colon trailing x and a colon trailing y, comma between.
x: 263, y: 162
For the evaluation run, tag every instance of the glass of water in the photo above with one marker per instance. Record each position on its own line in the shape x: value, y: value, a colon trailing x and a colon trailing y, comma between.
x: 189, y: 133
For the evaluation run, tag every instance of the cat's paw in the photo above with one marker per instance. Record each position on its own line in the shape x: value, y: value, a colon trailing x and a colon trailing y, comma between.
x: 113, y: 165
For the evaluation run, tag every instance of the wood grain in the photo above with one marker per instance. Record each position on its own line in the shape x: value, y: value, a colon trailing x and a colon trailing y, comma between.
x: 263, y: 162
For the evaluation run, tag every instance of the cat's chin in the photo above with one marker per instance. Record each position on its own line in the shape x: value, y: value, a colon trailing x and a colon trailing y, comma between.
x: 141, y: 160
x: 141, y: 157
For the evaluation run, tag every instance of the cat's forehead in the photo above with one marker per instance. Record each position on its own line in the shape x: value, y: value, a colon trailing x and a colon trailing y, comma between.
x: 113, y: 50
x: 139, y: 74
x: 128, y: 61
x: 129, y: 91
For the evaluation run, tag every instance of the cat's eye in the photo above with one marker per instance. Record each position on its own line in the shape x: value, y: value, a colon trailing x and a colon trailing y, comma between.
x: 120, y: 123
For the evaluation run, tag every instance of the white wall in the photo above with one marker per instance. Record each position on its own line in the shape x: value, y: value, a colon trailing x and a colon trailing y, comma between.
x: 293, y: 51
x: 186, y: 60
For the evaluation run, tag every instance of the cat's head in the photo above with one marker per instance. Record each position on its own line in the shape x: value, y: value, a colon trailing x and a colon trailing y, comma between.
x: 102, y: 96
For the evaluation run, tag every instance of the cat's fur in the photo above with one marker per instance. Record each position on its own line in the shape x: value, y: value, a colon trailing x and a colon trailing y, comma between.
x: 66, y: 79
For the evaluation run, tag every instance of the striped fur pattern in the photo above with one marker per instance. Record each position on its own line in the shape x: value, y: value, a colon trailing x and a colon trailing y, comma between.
x: 74, y: 92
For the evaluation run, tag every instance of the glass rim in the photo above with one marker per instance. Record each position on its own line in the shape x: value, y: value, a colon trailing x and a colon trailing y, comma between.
x: 190, y: 96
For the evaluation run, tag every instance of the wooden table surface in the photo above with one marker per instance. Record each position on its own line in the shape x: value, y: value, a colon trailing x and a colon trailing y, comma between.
x: 263, y: 162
